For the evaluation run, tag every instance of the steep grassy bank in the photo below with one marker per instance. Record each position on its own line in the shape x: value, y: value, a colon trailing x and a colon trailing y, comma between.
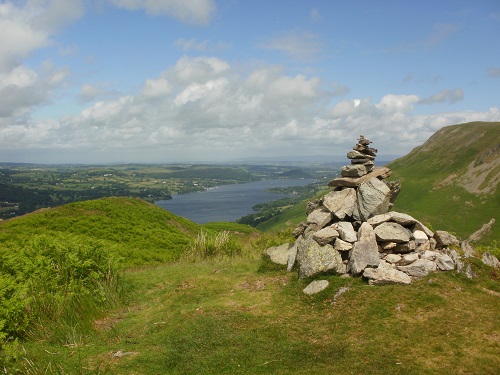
x: 451, y: 180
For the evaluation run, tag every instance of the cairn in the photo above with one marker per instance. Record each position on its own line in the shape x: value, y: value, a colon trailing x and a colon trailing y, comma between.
x: 352, y: 232
x: 362, y: 159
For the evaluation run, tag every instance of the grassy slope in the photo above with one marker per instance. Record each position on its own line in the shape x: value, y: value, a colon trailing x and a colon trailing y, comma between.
x: 423, y: 173
x: 238, y: 317
x: 135, y: 230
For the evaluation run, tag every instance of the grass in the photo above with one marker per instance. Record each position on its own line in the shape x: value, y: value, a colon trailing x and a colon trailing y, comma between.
x: 230, y: 317
x: 449, y: 206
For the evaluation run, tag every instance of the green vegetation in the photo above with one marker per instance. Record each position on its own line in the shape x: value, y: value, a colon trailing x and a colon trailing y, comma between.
x: 266, y: 212
x: 75, y: 302
x: 27, y: 187
x: 451, y: 180
x: 133, y: 230
x: 121, y: 286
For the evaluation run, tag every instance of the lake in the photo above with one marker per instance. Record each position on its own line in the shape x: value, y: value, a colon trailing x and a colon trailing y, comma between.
x: 226, y: 202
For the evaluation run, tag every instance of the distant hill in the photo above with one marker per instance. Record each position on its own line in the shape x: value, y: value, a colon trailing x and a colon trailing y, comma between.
x: 451, y: 181
x: 130, y: 228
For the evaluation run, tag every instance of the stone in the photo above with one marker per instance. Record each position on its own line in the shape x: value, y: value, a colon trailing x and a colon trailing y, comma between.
x: 383, y: 276
x: 408, y: 259
x: 490, y: 260
x: 346, y: 231
x: 353, y: 170
x: 392, y: 232
x: 325, y: 236
x: 316, y: 286
x: 378, y: 219
x: 430, y: 255
x: 444, y: 238
x: 340, y: 203
x: 444, y: 262
x: 420, y: 237
x: 364, y: 252
x: 477, y: 235
x: 365, y: 150
x: 319, y: 217
x: 366, y: 161
x: 292, y: 256
x: 395, y: 187
x: 311, y: 228
x: 381, y: 172
x: 353, y: 154
x: 419, y: 226
x: 387, y: 245
x: 312, y: 205
x: 402, y: 219
x: 393, y: 258
x: 341, y: 245
x: 405, y: 247
x: 314, y: 259
x: 279, y: 254
x: 299, y: 230
x: 468, y: 250
x: 424, y: 246
x: 372, y: 199
x: 419, y: 268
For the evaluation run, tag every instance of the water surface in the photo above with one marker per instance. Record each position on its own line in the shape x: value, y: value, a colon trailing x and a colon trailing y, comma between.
x: 226, y: 202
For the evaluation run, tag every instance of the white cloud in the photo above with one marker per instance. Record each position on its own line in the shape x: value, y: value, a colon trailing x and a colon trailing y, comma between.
x: 204, y: 109
x: 298, y: 44
x: 192, y: 11
x: 450, y: 96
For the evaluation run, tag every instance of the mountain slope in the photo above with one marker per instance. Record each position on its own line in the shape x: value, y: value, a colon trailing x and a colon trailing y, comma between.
x: 451, y: 180
x: 135, y: 230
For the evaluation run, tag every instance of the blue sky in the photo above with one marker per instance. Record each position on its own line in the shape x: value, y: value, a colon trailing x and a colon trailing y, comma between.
x: 102, y: 81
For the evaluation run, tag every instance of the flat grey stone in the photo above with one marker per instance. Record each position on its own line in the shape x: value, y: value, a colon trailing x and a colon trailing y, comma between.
x: 316, y: 286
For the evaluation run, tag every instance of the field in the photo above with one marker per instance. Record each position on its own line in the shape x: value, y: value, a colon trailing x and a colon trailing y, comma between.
x: 25, y: 187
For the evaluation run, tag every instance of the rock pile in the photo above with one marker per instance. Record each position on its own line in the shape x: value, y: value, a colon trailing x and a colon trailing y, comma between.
x: 351, y: 231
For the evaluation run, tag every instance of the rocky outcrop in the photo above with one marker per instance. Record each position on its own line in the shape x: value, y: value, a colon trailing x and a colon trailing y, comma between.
x: 353, y: 230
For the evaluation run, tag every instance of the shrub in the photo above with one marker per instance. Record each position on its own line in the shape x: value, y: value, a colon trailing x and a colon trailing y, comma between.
x: 50, y: 285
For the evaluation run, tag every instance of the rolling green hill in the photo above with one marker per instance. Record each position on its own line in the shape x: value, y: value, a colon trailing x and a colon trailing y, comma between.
x: 451, y: 180
x: 132, y: 229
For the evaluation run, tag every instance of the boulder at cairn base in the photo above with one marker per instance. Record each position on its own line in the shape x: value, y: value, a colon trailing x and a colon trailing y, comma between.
x: 314, y: 259
x: 365, y: 251
x: 386, y: 275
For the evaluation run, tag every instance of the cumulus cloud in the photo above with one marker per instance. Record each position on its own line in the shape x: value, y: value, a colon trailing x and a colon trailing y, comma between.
x: 193, y: 11
x: 450, y: 96
x: 297, y: 44
x: 203, y: 108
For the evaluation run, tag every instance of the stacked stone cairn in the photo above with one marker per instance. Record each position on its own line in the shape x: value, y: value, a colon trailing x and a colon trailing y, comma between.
x: 352, y: 231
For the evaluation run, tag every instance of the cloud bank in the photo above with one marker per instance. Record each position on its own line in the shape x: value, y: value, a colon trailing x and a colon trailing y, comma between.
x: 203, y: 109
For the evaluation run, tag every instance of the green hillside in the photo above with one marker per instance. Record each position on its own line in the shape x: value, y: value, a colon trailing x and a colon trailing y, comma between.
x: 451, y: 180
x: 131, y: 229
